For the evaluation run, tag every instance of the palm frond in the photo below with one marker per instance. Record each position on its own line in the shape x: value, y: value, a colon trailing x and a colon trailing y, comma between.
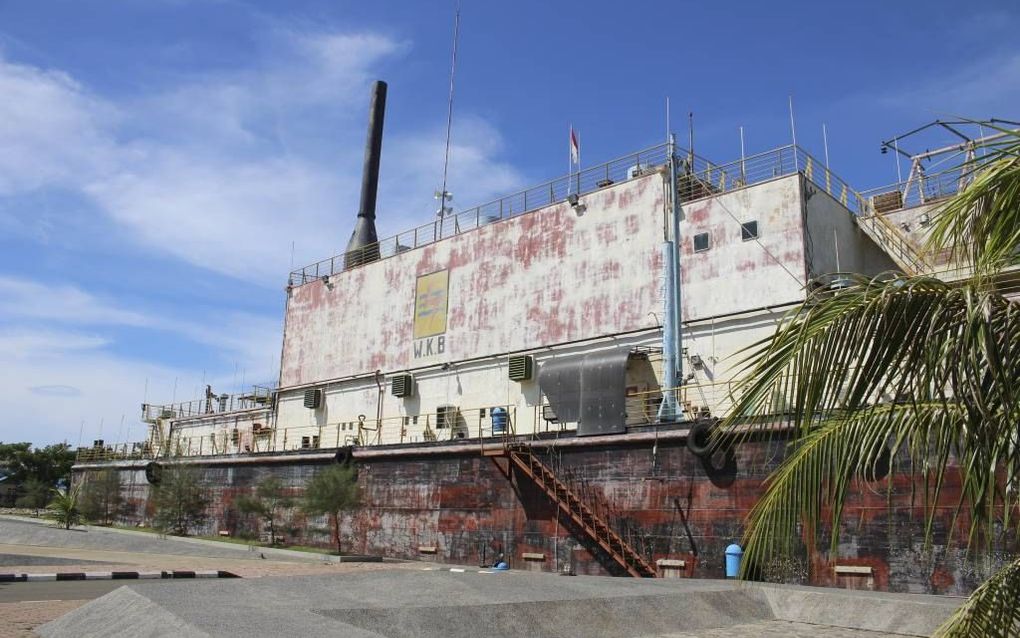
x: 991, y: 611
x: 810, y: 489
x: 64, y: 509
x: 928, y: 369
x: 981, y: 225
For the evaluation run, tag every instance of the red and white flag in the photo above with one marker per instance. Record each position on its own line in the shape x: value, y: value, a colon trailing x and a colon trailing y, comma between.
x: 575, y: 147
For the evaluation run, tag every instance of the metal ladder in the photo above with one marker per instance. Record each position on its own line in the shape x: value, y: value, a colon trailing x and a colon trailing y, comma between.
x: 581, y: 513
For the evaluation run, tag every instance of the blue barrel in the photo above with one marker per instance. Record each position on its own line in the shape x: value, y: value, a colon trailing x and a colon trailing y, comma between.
x: 733, y: 556
x: 499, y: 421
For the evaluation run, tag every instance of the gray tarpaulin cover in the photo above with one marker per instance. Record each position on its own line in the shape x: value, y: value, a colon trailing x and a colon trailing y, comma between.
x: 589, y: 390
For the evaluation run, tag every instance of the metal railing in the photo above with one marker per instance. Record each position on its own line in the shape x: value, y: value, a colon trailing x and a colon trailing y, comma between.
x: 916, y: 192
x: 118, y: 452
x: 588, y: 180
x: 459, y: 424
x: 589, y: 511
x: 876, y: 203
x: 902, y: 251
x: 477, y: 425
x: 698, y: 177
x: 257, y: 397
x: 591, y: 490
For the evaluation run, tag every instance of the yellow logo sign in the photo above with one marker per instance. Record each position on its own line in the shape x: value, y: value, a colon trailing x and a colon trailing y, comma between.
x: 430, y: 301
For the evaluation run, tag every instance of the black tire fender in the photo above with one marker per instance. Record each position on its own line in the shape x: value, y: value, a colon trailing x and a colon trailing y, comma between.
x: 699, y: 438
x: 153, y: 472
x: 344, y: 456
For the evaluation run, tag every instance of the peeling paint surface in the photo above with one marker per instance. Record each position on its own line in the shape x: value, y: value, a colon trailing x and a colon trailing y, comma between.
x: 550, y: 276
x: 661, y: 498
x: 735, y: 275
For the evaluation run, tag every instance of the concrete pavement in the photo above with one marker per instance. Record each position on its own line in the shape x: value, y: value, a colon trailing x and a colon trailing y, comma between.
x: 403, y: 603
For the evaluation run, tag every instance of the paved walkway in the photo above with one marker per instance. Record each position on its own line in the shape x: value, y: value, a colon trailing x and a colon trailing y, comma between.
x: 303, y: 594
x: 36, y: 547
x: 40, y: 545
x: 783, y: 629
x: 470, y: 603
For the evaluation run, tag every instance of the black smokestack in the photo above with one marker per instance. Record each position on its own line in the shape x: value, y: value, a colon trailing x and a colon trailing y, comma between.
x: 363, y: 247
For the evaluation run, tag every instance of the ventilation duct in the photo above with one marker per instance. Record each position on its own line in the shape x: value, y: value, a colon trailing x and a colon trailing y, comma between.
x: 521, y: 367
x: 402, y: 385
x: 313, y: 398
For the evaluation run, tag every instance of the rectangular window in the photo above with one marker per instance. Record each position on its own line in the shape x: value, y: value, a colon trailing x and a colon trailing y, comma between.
x: 701, y: 242
x: 749, y: 231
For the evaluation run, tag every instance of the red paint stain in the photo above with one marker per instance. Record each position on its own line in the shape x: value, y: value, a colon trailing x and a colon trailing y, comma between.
x: 606, y: 234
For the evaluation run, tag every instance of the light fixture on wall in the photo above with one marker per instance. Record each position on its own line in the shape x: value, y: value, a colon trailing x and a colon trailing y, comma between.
x: 575, y: 202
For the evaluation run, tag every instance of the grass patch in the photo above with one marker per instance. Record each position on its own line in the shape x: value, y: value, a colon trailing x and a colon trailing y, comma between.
x: 233, y: 540
x: 312, y: 550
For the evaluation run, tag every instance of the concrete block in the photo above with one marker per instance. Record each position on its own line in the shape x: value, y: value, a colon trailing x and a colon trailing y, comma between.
x: 853, y: 570
x: 671, y: 563
x: 39, y: 577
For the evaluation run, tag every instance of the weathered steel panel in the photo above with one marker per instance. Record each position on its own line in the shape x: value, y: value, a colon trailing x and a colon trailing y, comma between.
x: 734, y: 274
x: 550, y: 276
x: 589, y: 390
x: 660, y: 497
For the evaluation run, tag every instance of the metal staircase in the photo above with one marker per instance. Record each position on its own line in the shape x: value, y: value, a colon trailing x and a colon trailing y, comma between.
x: 893, y: 243
x: 583, y: 514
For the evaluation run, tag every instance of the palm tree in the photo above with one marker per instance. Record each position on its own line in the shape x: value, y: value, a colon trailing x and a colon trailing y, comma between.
x: 63, y: 509
x: 915, y: 373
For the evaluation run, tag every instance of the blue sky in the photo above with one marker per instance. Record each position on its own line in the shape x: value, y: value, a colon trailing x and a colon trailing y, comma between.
x: 161, y: 160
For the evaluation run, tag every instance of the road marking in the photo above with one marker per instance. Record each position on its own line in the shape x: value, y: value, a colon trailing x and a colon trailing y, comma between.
x: 454, y: 569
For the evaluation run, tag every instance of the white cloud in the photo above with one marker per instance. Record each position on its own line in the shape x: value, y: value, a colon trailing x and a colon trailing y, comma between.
x: 219, y: 170
x: 57, y: 382
x: 27, y: 344
x: 413, y: 174
x: 28, y: 299
x: 236, y: 218
x: 247, y: 339
x: 56, y: 379
x: 989, y: 84
x: 57, y: 374
x: 51, y: 130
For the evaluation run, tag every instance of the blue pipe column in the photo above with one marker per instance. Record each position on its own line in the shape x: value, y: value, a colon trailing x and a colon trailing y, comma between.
x: 672, y: 339
x: 677, y: 212
x: 668, y: 408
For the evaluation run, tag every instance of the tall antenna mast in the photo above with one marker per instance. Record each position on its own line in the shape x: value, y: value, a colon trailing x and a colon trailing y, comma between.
x: 443, y: 195
x: 690, y: 140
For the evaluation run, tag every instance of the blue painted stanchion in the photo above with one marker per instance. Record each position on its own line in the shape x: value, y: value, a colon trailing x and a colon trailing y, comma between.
x: 733, y: 555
